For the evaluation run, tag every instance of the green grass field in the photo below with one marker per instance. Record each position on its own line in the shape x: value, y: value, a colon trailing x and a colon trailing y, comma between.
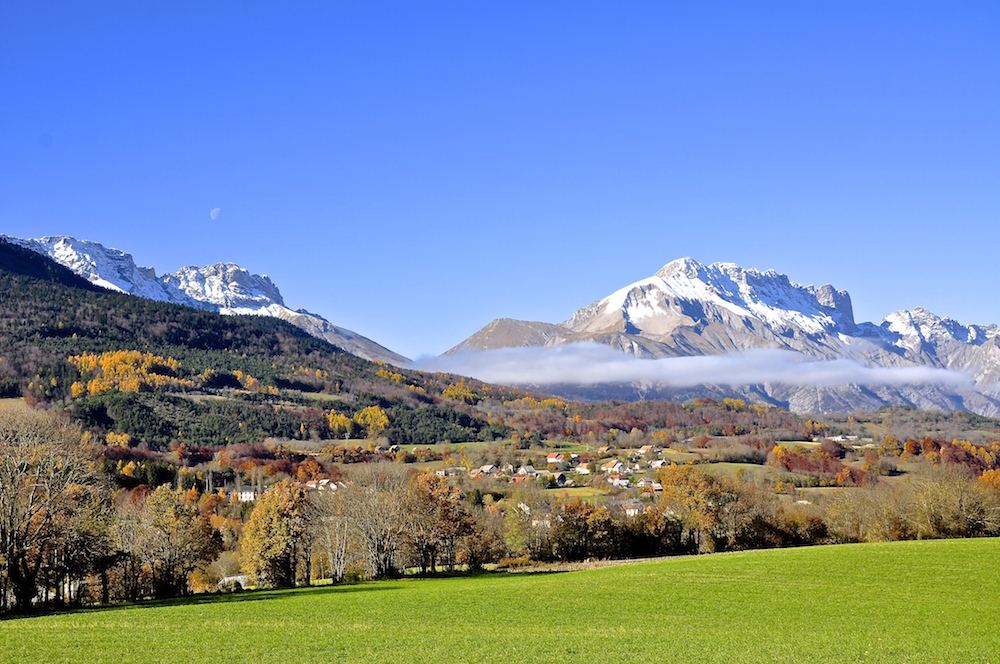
x: 792, y: 444
x: 453, y: 448
x: 931, y: 601
x: 587, y: 494
x: 677, y: 456
x: 751, y: 471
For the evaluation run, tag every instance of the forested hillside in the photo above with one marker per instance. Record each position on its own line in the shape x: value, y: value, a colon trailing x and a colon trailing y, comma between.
x: 163, y: 373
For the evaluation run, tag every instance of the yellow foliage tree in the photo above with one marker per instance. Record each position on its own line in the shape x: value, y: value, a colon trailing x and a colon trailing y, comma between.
x: 340, y: 425
x: 273, y: 533
x: 460, y: 392
x: 991, y: 480
x: 118, y: 439
x: 125, y: 371
x: 373, y: 419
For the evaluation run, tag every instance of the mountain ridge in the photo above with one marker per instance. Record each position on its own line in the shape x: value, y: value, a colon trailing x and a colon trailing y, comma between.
x: 224, y: 288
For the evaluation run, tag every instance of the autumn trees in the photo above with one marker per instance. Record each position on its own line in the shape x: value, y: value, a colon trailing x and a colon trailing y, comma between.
x: 372, y: 420
x: 724, y: 513
x: 61, y: 531
x: 44, y: 490
x: 160, y: 537
x: 384, y: 518
x: 364, y: 520
x: 583, y: 530
x: 276, y: 528
x: 439, y: 518
x: 934, y: 502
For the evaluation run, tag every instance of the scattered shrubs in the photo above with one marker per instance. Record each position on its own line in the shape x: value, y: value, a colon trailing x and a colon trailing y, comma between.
x: 514, y: 563
x: 742, y: 454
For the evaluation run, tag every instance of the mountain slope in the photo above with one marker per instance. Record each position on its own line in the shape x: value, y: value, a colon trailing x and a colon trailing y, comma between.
x: 225, y: 288
x: 17, y: 259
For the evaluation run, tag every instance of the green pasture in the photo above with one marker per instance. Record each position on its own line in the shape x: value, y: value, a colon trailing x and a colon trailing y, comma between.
x: 587, y: 494
x: 679, y: 457
x: 792, y: 444
x: 322, y: 397
x: 750, y: 471
x: 571, y: 448
x: 454, y: 448
x: 929, y: 601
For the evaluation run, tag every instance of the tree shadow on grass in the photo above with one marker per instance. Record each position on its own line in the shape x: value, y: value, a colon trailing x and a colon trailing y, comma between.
x: 205, y: 598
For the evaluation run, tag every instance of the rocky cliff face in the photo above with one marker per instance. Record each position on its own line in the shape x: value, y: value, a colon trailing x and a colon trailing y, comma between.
x: 223, y: 287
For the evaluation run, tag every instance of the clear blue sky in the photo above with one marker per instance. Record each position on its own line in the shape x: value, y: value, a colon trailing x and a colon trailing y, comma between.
x: 413, y: 170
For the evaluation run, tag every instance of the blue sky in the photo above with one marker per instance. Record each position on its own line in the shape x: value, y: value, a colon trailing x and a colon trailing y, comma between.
x: 413, y: 170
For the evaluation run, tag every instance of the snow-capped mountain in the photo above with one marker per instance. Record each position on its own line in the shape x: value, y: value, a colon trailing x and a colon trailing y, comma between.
x: 688, y: 308
x: 724, y: 292
x: 223, y: 287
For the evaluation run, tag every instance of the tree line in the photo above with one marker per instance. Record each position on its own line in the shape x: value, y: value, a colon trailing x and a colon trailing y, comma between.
x: 69, y: 536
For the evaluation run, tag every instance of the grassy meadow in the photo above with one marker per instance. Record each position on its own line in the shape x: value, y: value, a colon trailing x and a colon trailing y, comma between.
x: 924, y: 601
x: 587, y: 494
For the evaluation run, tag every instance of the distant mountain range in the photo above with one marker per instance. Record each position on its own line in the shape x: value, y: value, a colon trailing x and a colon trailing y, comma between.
x: 685, y: 309
x: 224, y: 288
x: 691, y: 309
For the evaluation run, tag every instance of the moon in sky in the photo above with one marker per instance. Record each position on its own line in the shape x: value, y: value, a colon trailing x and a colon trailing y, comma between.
x: 214, y: 214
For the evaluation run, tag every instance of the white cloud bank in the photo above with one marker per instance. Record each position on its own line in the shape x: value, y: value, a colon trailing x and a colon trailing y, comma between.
x: 594, y: 364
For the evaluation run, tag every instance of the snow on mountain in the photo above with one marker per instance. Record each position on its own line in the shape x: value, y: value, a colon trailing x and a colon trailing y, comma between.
x: 226, y: 285
x: 223, y: 287
x: 918, y: 327
x: 687, y: 308
x: 718, y: 293
x: 109, y: 268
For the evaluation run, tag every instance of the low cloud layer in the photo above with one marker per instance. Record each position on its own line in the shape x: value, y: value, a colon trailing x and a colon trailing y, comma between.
x: 594, y: 364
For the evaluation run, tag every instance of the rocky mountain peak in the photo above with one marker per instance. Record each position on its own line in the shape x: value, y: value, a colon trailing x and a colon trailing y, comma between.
x: 227, y: 285
x: 686, y: 266
x: 688, y: 308
x: 840, y: 300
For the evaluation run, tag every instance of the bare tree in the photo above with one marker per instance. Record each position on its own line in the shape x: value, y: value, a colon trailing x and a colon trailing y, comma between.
x: 934, y: 502
x: 948, y: 502
x: 128, y: 533
x: 328, y: 520
x: 378, y: 514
